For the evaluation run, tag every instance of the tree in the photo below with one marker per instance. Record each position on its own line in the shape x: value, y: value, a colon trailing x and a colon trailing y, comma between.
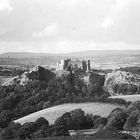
x: 10, y: 131
x: 26, y: 130
x: 5, y: 118
x: 117, y: 121
x: 40, y: 105
x: 78, y: 118
x: 132, y: 123
x: 64, y: 121
x: 27, y: 110
x: 40, y: 122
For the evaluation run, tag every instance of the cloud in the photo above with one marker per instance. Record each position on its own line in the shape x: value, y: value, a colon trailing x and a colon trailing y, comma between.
x: 70, y: 25
x: 50, y: 30
x: 5, y: 5
x: 115, y: 9
x: 122, y: 22
x: 70, y: 3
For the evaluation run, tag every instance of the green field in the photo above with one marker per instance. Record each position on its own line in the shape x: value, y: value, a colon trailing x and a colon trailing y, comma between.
x: 131, y: 98
x: 52, y: 113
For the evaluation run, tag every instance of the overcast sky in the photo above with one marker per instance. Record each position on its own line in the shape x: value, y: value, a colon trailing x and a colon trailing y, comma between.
x: 54, y: 26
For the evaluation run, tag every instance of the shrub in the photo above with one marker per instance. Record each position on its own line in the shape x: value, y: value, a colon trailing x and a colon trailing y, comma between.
x: 111, y: 134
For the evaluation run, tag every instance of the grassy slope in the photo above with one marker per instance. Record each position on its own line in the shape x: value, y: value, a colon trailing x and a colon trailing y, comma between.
x: 131, y: 98
x: 52, y: 113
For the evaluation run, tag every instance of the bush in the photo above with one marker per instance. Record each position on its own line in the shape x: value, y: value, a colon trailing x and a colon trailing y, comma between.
x: 111, y: 134
x: 100, y: 121
x: 10, y: 131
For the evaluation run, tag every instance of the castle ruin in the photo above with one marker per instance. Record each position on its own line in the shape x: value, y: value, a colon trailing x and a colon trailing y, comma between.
x: 77, y: 64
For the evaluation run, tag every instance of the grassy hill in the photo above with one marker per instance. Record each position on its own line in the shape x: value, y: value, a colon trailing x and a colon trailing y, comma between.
x: 52, y: 113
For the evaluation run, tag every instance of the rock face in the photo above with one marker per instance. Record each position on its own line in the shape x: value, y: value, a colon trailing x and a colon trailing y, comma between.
x: 122, y: 83
x: 94, y: 79
x: 40, y: 73
x: 37, y: 73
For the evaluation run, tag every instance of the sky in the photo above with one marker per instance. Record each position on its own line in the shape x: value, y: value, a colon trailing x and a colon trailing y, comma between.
x: 61, y: 26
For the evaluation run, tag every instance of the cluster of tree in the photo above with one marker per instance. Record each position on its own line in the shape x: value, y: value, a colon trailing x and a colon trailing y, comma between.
x: 118, y: 120
x: 126, y: 119
x: 74, y: 120
x: 37, y: 129
x: 17, y: 101
x: 134, y: 70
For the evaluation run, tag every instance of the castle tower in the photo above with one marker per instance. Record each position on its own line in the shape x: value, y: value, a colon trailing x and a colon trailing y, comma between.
x: 88, y: 65
x: 84, y: 66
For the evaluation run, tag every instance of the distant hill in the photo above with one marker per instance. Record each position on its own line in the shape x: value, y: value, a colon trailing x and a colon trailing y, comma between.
x: 23, y: 55
x: 99, y: 59
x: 105, y: 53
x: 72, y: 54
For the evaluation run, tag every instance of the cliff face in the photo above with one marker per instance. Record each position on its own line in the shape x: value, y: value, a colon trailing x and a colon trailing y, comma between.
x: 94, y: 79
x: 40, y: 73
x: 120, y: 82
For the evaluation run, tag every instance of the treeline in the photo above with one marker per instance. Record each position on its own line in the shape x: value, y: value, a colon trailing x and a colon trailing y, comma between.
x: 134, y: 70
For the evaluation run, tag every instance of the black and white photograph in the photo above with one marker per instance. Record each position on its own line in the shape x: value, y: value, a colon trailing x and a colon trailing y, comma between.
x: 69, y: 69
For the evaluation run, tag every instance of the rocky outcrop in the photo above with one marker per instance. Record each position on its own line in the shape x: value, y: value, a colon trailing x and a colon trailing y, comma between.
x: 37, y: 73
x: 122, y: 83
x: 94, y: 79
x: 40, y: 73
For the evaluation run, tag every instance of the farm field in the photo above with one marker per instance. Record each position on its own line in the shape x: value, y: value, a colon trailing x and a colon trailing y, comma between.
x: 131, y: 98
x: 52, y: 113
